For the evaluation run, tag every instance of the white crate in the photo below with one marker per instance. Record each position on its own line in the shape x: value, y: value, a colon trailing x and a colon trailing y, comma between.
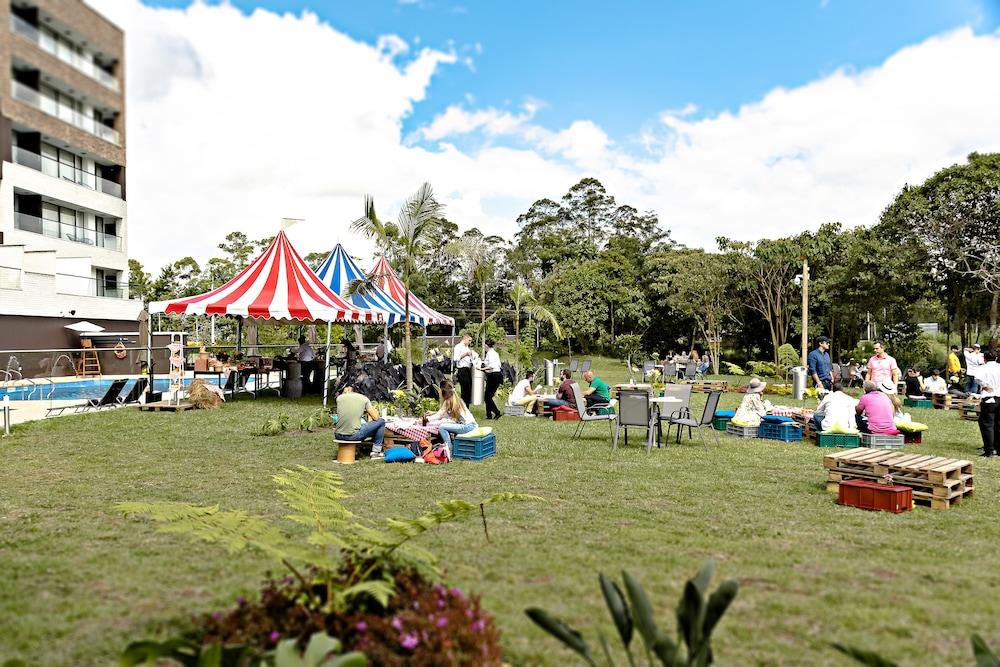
x: 881, y: 441
x: 741, y: 431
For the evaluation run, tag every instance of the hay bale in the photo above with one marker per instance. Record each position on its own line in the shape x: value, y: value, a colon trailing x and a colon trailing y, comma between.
x: 204, y: 396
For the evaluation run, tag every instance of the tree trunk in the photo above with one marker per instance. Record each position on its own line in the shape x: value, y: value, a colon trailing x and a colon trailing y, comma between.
x: 994, y: 312
x: 409, y: 348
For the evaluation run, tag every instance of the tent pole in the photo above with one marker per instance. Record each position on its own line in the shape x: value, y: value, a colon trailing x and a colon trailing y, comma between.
x: 451, y: 342
x: 385, y: 343
x: 149, y: 360
x: 326, y: 365
x: 239, y: 334
x: 423, y: 348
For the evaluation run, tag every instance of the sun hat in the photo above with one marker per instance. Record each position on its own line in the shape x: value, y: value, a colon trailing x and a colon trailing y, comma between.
x: 975, y: 346
x: 886, y: 387
x: 756, y: 386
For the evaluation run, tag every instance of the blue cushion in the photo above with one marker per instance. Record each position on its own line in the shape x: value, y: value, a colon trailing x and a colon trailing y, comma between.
x: 399, y: 455
x: 725, y: 413
x: 777, y: 419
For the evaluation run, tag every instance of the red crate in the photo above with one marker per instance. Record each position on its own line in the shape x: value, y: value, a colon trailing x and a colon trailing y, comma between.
x: 913, y: 438
x: 873, y: 496
x: 565, y: 415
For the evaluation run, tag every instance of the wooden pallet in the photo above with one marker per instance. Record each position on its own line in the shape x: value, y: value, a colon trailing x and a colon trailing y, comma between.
x: 165, y: 406
x: 937, y: 481
x: 969, y: 409
x: 708, y: 386
x: 945, y: 402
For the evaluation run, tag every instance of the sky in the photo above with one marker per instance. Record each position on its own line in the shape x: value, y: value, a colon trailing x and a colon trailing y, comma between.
x: 726, y: 118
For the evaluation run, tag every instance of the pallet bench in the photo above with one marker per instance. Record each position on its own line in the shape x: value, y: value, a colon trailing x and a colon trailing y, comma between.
x: 708, y: 386
x: 937, y: 481
x: 969, y: 409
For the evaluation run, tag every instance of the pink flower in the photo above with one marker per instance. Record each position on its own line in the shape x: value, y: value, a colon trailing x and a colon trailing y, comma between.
x: 396, y: 623
x: 360, y: 626
x: 442, y: 622
x: 457, y: 592
x: 274, y: 637
x: 409, y: 641
x: 441, y: 603
x: 216, y: 616
x: 241, y: 600
x: 478, y: 625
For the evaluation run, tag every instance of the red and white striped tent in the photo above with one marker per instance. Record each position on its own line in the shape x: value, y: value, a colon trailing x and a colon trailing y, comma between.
x: 277, y: 285
x: 388, y: 281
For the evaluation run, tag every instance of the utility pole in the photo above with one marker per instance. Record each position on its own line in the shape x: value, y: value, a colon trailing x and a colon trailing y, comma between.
x: 805, y: 310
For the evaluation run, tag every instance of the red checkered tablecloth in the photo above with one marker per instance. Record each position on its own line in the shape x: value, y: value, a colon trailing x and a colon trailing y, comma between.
x: 412, y: 431
x: 785, y: 411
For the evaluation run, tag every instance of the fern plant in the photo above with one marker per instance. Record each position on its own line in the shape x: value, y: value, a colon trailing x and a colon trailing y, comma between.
x: 697, y: 617
x: 318, y: 418
x: 350, y: 556
x: 273, y: 426
x: 321, y: 651
x: 733, y: 369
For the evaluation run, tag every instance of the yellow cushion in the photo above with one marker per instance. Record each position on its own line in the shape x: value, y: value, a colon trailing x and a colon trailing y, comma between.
x: 910, y: 427
x: 478, y: 433
x: 840, y: 427
x: 742, y: 422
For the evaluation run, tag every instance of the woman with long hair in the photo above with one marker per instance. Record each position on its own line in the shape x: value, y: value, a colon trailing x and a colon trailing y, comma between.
x: 454, y: 414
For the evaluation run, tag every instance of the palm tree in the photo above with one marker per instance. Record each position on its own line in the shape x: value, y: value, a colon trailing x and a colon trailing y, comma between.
x: 524, y: 300
x: 417, y: 219
x: 473, y: 252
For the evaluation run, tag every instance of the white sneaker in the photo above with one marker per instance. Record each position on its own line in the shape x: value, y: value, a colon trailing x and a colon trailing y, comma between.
x: 377, y: 455
x: 528, y: 414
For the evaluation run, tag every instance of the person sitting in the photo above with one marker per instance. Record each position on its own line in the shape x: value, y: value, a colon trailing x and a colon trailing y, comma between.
x: 897, y: 404
x: 836, y: 410
x: 523, y: 394
x: 934, y: 384
x: 875, y: 412
x: 706, y: 363
x: 564, y: 395
x: 914, y: 383
x: 599, y: 392
x: 854, y: 371
x: 352, y: 408
x: 455, y: 416
x: 752, y: 407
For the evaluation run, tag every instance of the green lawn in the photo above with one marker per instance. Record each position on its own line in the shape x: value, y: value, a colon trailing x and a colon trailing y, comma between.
x: 77, y: 581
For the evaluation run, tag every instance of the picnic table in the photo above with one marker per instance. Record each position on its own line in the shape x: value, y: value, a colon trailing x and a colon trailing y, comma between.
x: 410, y: 430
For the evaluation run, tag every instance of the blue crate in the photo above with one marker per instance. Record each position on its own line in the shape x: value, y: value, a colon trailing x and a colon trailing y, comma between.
x: 786, y: 432
x: 474, y: 449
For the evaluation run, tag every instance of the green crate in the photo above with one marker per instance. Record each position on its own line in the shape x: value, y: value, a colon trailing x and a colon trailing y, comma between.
x: 917, y: 402
x: 720, y: 423
x: 838, y: 440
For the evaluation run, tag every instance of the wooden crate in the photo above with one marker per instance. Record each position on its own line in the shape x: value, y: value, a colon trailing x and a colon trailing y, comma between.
x: 937, y: 481
x: 944, y: 402
x: 969, y: 409
x: 876, y: 497
x: 707, y: 386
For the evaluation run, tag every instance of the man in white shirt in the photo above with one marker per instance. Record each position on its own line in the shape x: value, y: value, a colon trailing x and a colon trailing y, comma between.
x: 988, y: 376
x: 494, y: 378
x: 935, y: 384
x: 462, y: 356
x: 307, y: 358
x: 524, y: 394
x: 973, y: 360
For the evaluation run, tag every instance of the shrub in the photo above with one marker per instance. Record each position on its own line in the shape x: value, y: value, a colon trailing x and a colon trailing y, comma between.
x: 762, y: 368
x: 422, y: 624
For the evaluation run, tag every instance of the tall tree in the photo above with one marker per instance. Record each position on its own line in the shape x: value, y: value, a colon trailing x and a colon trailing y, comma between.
x: 139, y: 282
x: 415, y: 223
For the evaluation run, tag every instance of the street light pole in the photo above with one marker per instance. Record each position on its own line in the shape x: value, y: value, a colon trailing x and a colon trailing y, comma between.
x: 805, y: 309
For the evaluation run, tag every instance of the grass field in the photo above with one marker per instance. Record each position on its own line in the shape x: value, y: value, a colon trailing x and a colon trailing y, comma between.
x: 77, y: 581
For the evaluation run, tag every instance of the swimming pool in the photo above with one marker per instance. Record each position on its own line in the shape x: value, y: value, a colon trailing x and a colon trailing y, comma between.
x: 77, y: 390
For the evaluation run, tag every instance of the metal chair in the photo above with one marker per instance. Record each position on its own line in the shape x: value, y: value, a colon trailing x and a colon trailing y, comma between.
x: 670, y: 371
x: 680, y: 410
x: 585, y: 366
x: 573, y: 365
x: 589, y: 415
x: 647, y: 368
x: 707, y: 415
x: 634, y: 410
x: 691, y: 370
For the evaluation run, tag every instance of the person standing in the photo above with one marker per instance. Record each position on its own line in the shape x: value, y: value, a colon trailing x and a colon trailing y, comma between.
x: 820, y: 367
x: 882, y: 367
x: 988, y: 376
x: 352, y: 409
x: 973, y: 360
x: 954, y: 366
x: 307, y: 360
x: 494, y: 378
x: 462, y: 356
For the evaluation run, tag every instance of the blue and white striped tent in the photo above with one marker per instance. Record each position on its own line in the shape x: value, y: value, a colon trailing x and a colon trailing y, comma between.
x: 338, y: 271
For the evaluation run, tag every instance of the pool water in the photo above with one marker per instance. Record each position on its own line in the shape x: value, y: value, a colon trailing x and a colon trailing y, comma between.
x: 78, y: 390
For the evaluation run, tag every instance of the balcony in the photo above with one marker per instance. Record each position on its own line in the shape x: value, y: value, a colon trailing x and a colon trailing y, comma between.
x: 66, y: 172
x: 21, y: 27
x: 58, y: 230
x: 63, y: 112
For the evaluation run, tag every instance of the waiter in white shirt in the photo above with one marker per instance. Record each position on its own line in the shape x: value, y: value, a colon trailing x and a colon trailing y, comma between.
x: 462, y: 356
x: 307, y: 358
x: 494, y: 378
x: 973, y: 360
x: 989, y: 388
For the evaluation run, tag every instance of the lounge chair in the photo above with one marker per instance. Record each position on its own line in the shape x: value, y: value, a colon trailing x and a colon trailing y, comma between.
x: 138, y: 389
x: 109, y: 400
x: 591, y: 414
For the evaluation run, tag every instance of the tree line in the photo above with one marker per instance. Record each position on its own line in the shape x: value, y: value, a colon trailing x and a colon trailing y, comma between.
x: 615, y: 281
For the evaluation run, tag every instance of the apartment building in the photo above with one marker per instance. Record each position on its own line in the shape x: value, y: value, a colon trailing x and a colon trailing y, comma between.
x: 63, y: 222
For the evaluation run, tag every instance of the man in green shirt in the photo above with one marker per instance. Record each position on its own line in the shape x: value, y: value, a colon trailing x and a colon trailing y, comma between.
x: 351, y: 409
x: 599, y: 392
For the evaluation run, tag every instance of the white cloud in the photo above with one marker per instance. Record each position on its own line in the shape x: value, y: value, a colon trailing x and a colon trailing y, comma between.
x: 236, y: 120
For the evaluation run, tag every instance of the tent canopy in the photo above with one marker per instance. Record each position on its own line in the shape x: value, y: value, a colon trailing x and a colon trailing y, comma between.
x: 389, y: 282
x: 339, y: 271
x: 277, y: 285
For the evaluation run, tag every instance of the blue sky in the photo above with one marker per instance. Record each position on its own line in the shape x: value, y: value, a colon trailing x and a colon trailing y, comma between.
x: 620, y: 64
